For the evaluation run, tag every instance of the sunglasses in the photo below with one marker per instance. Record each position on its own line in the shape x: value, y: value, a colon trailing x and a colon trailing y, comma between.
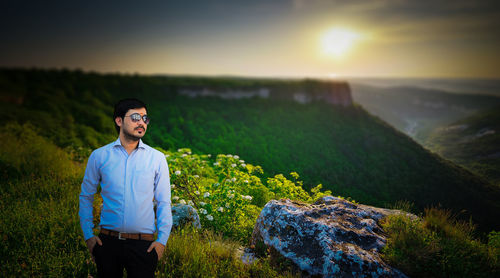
x: 137, y: 117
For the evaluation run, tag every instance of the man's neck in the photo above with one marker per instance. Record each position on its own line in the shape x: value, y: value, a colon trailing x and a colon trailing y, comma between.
x: 129, y: 145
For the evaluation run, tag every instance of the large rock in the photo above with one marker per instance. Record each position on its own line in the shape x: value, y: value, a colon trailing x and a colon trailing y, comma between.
x: 332, y: 237
x: 185, y: 215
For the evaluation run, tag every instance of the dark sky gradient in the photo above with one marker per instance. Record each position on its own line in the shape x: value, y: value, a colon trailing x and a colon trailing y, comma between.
x: 401, y: 38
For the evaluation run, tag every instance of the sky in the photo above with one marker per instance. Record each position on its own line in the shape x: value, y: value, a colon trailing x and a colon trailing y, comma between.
x: 265, y: 38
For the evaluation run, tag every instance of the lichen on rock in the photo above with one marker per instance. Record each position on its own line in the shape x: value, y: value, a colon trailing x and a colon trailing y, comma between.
x: 332, y: 237
x: 184, y: 215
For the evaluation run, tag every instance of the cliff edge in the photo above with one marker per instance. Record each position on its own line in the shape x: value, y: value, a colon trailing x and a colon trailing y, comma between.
x: 306, y: 91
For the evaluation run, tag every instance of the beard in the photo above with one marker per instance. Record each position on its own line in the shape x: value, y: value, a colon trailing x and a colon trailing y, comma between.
x: 133, y: 137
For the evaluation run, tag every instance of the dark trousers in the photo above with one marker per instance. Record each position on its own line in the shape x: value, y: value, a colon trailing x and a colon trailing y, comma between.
x: 115, y: 254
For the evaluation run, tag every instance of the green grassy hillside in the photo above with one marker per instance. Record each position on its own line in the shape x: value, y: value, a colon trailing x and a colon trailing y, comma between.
x: 40, y: 233
x: 473, y: 142
x: 344, y: 148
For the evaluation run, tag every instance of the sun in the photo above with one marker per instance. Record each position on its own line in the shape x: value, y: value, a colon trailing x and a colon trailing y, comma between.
x: 337, y: 42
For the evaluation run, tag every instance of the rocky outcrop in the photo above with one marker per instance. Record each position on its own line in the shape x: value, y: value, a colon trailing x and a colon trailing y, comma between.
x: 331, y: 92
x: 336, y: 93
x: 332, y: 237
x: 185, y: 215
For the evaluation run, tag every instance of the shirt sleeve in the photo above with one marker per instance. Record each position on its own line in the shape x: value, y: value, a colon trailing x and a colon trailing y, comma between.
x: 162, y: 197
x: 89, y: 187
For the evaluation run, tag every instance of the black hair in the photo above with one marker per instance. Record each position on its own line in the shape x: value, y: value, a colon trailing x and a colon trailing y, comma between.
x: 122, y: 107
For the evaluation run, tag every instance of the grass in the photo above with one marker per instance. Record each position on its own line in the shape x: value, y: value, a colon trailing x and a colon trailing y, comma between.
x: 41, y: 236
x: 203, y: 253
x: 40, y: 233
x: 439, y: 245
x: 39, y: 227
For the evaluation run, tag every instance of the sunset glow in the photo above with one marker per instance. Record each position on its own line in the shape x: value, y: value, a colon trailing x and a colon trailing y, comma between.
x: 445, y: 39
x: 337, y: 42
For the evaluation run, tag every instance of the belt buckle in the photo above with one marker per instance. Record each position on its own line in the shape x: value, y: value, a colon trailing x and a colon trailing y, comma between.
x: 120, y: 236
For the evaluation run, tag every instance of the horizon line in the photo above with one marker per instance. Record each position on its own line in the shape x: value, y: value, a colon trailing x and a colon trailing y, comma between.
x: 249, y: 76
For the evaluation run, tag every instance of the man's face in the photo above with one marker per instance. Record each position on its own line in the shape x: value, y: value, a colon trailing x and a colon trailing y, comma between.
x: 132, y: 130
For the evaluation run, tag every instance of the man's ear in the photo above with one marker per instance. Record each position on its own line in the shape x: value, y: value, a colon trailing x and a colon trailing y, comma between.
x: 118, y: 121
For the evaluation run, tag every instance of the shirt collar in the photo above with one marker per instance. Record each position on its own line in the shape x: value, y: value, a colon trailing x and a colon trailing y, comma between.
x: 118, y: 142
x: 141, y: 144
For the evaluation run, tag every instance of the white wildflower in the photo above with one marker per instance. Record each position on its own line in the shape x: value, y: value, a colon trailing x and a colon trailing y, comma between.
x: 216, y: 163
x: 172, y: 185
x: 233, y: 179
x: 245, y: 181
x: 246, y: 197
x: 167, y: 155
x: 177, y: 172
x: 243, y: 165
x: 203, y: 211
x: 209, y: 155
x: 179, y: 150
x: 196, y: 176
x: 202, y: 203
x: 220, y: 209
x: 229, y: 155
x: 236, y: 157
x: 227, y: 205
x: 233, y: 165
x: 216, y: 184
x: 210, y: 217
x: 197, y: 192
x: 230, y: 196
x: 206, y: 194
x: 184, y: 155
x: 242, y: 161
x: 182, y: 201
x: 190, y: 203
x: 175, y: 198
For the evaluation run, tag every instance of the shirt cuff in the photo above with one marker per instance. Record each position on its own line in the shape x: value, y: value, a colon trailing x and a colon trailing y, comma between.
x: 88, y: 234
x: 162, y: 238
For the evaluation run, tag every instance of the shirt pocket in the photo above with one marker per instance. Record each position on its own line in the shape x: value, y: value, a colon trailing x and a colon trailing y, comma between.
x: 144, y: 180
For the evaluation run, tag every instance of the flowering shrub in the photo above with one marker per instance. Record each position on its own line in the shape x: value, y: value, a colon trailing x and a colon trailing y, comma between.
x: 227, y: 192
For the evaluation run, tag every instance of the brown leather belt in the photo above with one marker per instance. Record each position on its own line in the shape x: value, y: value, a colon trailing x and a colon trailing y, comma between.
x: 124, y: 236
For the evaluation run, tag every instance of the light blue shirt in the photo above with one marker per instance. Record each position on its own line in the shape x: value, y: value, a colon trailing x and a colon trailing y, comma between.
x: 128, y: 185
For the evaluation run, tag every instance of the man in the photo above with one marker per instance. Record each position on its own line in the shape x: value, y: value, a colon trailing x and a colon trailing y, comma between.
x: 130, y: 174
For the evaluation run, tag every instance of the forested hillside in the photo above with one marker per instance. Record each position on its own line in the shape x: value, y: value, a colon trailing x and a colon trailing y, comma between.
x: 473, y: 142
x: 342, y: 147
